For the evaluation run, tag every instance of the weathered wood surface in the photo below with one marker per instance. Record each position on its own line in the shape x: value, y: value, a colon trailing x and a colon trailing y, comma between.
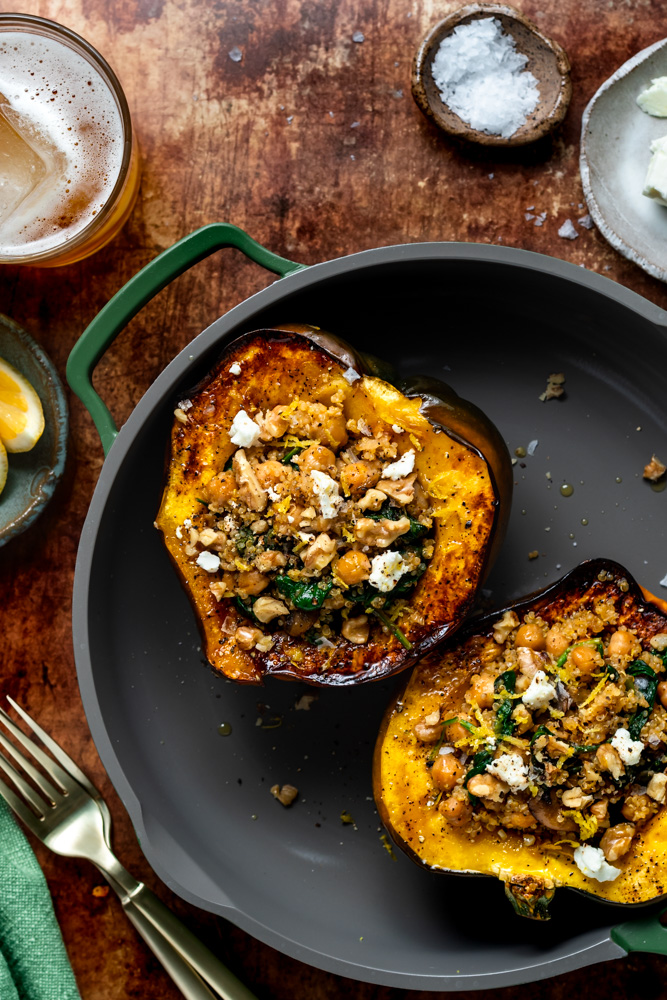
x: 311, y: 143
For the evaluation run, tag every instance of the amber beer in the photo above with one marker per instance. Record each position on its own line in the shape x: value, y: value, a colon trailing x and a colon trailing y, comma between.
x: 69, y: 163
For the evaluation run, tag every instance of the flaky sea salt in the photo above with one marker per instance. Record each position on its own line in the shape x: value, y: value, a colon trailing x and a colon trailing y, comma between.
x: 481, y: 77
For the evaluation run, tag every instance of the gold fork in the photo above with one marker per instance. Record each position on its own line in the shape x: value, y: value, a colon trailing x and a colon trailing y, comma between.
x: 68, y: 814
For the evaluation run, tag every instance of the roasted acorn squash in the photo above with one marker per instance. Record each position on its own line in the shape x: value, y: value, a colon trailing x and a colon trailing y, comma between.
x: 477, y: 837
x: 463, y: 475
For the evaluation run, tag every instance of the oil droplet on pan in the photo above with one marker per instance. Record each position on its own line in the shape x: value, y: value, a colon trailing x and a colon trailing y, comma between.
x: 659, y: 486
x: 225, y: 729
x: 566, y: 490
x: 584, y: 520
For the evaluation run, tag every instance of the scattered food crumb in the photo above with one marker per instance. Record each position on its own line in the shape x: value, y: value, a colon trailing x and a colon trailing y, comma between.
x: 540, y: 219
x: 346, y: 819
x: 567, y: 231
x: 534, y: 554
x: 491, y: 176
x: 385, y: 839
x: 101, y: 891
x: 235, y: 369
x: 520, y: 452
x: 235, y: 54
x: 655, y: 469
x: 554, y: 389
x: 532, y: 445
x: 663, y: 582
x: 286, y: 794
x: 586, y: 222
x: 358, y: 37
x: 304, y: 702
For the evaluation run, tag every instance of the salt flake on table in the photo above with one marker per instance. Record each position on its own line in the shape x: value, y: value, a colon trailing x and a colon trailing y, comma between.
x: 530, y: 450
x: 235, y: 54
x: 586, y: 222
x: 358, y: 37
x: 567, y: 231
x: 483, y: 79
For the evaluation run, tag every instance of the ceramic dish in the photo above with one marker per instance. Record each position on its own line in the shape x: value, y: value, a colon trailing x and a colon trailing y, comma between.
x: 194, y: 756
x: 547, y: 62
x: 615, y: 151
x: 33, y: 475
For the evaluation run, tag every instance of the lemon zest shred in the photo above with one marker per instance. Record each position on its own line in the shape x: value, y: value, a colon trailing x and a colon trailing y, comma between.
x: 242, y: 567
x: 557, y: 843
x: 281, y: 506
x: 416, y: 442
x: 339, y: 583
x: 596, y: 690
x: 515, y: 741
x: 291, y: 407
x: 587, y: 825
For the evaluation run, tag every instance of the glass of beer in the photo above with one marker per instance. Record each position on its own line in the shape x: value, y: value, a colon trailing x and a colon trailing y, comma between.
x: 69, y: 161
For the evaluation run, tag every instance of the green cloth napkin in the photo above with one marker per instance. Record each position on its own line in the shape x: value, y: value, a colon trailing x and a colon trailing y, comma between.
x: 33, y: 961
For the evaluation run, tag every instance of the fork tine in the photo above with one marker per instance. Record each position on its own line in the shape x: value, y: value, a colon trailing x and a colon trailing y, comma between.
x: 56, y: 750
x: 50, y: 766
x: 19, y: 807
x: 51, y: 794
x: 40, y: 807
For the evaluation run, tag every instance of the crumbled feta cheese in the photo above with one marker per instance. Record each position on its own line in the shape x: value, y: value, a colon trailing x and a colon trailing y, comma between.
x: 444, y: 751
x: 653, y: 100
x: 326, y: 489
x: 591, y: 862
x: 510, y: 768
x: 629, y: 750
x: 187, y: 523
x: 386, y: 570
x: 402, y: 468
x: 244, y: 432
x: 273, y: 494
x: 397, y: 429
x: 209, y: 561
x: 185, y: 404
x: 539, y: 693
x: 351, y: 376
x: 235, y: 369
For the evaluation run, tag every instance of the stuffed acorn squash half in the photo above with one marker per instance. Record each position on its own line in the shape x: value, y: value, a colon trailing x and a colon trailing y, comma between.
x: 328, y: 525
x: 534, y: 749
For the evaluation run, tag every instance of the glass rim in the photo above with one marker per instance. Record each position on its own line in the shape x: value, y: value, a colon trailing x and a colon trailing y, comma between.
x: 43, y: 25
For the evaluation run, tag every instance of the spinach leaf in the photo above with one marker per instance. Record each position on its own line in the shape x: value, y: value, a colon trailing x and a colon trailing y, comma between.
x: 505, y: 726
x: 245, y: 607
x: 646, y: 685
x: 307, y: 595
x: 389, y: 513
x: 479, y: 762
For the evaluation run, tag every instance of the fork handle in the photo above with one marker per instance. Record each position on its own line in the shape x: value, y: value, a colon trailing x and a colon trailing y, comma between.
x: 140, y: 901
x: 189, y: 982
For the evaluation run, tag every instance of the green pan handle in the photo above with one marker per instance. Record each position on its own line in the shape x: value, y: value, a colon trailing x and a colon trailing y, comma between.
x: 139, y: 290
x: 648, y: 935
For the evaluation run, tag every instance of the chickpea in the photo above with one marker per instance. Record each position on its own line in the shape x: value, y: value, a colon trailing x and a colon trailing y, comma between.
x: 608, y: 760
x: 530, y: 635
x: 317, y: 458
x: 429, y: 729
x: 357, y: 477
x: 270, y: 473
x: 455, y: 731
x: 446, y: 771
x: 354, y: 567
x: 556, y: 641
x: 520, y: 821
x: 617, y: 840
x: 269, y: 560
x: 490, y: 652
x: 586, y: 659
x: 252, y: 582
x: 456, y: 810
x: 481, y: 690
x: 220, y: 489
x: 620, y: 643
x: 246, y: 636
x: 662, y: 693
x: 356, y: 629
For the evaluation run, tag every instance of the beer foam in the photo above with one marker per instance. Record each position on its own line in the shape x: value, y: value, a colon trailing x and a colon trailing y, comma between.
x: 63, y: 109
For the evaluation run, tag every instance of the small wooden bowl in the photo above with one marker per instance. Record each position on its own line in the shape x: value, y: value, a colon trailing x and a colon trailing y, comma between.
x: 547, y: 61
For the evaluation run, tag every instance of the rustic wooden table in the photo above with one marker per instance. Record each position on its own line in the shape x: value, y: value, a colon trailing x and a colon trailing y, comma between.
x: 311, y: 142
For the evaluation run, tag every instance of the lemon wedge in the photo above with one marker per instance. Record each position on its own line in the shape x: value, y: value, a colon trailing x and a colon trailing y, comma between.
x: 21, y: 414
x: 3, y: 466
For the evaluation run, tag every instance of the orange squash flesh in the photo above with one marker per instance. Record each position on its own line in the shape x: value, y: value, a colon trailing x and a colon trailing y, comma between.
x: 404, y: 791
x: 278, y: 366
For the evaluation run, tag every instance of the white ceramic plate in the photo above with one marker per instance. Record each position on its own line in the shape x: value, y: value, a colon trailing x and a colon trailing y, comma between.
x: 615, y: 151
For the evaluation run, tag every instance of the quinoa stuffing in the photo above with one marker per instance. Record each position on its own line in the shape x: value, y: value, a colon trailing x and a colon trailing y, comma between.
x: 562, y: 738
x: 317, y: 526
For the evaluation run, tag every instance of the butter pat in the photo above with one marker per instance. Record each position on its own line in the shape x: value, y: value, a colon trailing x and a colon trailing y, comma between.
x: 655, y: 185
x: 653, y: 100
